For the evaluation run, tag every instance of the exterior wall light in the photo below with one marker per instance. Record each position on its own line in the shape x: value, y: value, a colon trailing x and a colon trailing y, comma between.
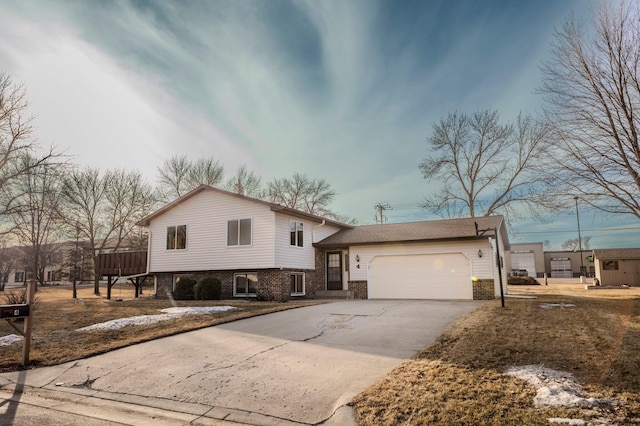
x: 357, y: 258
x: 479, y: 253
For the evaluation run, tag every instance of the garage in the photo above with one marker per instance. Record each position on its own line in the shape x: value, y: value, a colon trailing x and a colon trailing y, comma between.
x: 420, y: 276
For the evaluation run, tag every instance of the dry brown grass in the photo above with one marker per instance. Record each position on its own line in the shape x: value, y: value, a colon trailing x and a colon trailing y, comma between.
x: 58, y: 315
x: 460, y: 379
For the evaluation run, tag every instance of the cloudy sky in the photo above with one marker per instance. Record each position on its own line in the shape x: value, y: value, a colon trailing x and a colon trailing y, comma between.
x: 347, y: 91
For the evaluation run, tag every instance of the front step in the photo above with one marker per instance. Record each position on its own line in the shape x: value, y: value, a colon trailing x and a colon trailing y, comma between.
x: 334, y: 294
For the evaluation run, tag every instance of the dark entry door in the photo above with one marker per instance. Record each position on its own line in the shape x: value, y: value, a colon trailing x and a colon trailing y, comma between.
x: 334, y: 270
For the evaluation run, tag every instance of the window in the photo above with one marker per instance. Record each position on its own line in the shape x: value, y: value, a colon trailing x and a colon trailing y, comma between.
x: 611, y: 265
x: 245, y: 284
x: 19, y: 278
x: 297, y: 236
x: 177, y: 237
x: 297, y: 283
x: 239, y: 232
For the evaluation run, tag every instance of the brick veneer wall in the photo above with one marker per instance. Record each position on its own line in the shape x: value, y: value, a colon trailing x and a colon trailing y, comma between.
x: 359, y: 289
x: 273, y: 284
x: 483, y: 290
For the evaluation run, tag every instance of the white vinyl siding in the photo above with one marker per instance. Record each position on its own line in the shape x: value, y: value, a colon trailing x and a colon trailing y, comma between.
x: 288, y: 256
x: 206, y: 215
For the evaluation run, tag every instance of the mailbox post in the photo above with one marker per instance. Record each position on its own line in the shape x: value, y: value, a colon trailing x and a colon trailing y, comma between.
x: 11, y: 312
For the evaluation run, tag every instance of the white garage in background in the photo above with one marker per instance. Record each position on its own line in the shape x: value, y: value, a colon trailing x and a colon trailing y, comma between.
x: 420, y: 276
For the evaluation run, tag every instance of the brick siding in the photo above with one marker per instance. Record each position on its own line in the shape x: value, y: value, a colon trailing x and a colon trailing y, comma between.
x: 273, y: 284
x: 483, y: 289
x: 359, y: 289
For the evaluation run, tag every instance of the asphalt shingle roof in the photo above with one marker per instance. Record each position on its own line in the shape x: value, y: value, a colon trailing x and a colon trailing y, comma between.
x: 436, y: 230
x: 615, y: 254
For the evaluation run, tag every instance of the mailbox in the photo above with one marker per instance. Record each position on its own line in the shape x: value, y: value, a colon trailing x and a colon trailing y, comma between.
x: 14, y: 311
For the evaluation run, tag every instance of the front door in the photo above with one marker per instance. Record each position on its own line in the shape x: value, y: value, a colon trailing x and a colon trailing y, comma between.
x: 334, y: 270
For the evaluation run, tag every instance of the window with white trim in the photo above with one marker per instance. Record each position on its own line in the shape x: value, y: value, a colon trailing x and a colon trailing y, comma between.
x: 239, y: 232
x: 177, y: 237
x: 296, y: 233
x: 245, y: 284
x: 19, y: 277
x: 297, y: 283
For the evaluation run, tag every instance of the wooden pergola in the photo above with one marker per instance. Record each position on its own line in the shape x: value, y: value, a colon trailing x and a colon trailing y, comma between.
x: 130, y: 265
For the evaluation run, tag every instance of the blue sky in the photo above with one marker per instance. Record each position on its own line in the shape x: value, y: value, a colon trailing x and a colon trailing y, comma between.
x: 347, y: 91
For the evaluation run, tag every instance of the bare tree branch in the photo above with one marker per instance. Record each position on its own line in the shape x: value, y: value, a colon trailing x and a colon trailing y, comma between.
x: 485, y: 167
x: 592, y: 89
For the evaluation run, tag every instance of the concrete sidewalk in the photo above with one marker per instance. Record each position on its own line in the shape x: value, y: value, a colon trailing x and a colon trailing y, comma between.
x: 301, y: 366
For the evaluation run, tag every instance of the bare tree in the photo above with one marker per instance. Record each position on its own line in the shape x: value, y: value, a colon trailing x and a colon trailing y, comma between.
x: 35, y: 216
x: 7, y: 262
x: 486, y: 167
x: 245, y: 182
x: 592, y: 89
x: 178, y: 176
x: 302, y: 193
x: 574, y: 244
x: 15, y: 142
x: 103, y: 208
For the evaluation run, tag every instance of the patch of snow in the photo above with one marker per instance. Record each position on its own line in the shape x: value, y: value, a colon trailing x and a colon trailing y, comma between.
x: 554, y: 388
x: 556, y: 305
x: 572, y: 422
x: 7, y: 340
x: 197, y: 310
x: 169, y: 313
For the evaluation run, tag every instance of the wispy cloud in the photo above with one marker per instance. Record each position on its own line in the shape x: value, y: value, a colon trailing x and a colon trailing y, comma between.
x: 341, y: 90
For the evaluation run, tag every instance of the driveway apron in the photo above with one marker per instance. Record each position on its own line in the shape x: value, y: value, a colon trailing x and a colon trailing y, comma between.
x: 297, y: 366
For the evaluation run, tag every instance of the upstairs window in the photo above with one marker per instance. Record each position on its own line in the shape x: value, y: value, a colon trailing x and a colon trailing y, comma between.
x: 296, y: 233
x: 239, y: 232
x: 177, y: 237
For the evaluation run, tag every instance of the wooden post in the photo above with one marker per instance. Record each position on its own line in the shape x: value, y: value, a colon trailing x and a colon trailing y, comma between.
x: 28, y: 322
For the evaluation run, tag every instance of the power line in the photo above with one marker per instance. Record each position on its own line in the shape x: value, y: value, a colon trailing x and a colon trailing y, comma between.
x: 635, y: 228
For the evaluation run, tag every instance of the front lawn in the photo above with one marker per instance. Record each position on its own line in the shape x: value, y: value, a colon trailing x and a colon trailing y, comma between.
x: 461, y: 380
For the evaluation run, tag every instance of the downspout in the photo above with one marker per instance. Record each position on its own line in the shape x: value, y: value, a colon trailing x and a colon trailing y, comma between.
x: 313, y: 231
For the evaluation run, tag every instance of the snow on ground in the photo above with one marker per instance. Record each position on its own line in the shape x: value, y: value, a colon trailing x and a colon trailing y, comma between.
x: 7, y: 340
x: 556, y: 305
x: 554, y: 388
x: 169, y: 313
x: 557, y: 389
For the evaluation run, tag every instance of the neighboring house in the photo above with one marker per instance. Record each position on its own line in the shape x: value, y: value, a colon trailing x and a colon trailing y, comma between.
x: 62, y: 263
x: 615, y: 267
x: 263, y: 250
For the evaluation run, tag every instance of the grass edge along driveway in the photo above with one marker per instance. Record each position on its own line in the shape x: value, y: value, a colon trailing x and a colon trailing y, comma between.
x: 461, y: 378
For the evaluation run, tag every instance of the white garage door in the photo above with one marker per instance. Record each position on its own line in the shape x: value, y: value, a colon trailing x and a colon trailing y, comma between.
x: 526, y: 261
x: 423, y: 276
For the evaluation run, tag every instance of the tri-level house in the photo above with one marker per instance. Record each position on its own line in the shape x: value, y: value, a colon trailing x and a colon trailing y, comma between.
x: 270, y: 252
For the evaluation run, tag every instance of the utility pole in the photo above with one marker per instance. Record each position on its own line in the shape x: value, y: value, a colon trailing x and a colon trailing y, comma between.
x: 582, y: 268
x: 381, y: 207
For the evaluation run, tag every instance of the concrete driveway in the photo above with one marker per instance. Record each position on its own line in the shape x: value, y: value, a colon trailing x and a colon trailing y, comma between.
x: 300, y: 366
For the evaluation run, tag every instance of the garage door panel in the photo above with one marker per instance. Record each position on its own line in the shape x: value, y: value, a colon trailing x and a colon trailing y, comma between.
x: 429, y: 276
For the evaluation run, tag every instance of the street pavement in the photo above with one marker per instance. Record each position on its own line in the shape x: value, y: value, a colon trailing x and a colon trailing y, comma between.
x: 300, y: 366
